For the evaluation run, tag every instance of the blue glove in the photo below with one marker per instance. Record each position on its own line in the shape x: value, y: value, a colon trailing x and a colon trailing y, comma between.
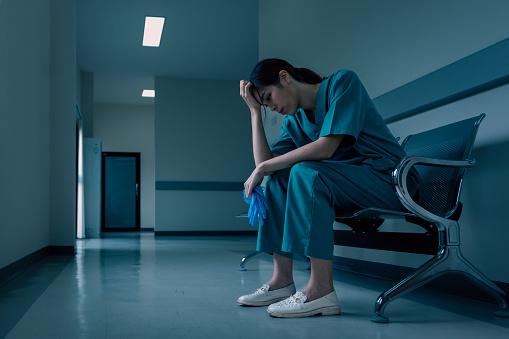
x: 257, y: 206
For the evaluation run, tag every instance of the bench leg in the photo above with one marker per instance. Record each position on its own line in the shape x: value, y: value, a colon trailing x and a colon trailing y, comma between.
x: 246, y: 259
x: 448, y: 259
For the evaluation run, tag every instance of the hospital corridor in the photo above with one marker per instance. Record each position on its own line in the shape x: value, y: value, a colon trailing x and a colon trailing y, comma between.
x: 223, y: 169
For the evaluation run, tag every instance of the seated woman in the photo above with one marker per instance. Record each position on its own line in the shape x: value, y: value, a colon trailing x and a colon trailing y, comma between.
x: 335, y: 153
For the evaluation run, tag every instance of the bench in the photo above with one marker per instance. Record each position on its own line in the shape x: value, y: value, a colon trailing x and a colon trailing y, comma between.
x: 441, y: 156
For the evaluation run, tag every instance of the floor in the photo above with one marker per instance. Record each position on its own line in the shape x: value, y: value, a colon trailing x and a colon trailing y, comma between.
x: 141, y: 286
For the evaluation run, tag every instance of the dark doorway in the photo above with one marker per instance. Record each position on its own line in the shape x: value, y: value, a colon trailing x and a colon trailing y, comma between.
x: 120, y: 192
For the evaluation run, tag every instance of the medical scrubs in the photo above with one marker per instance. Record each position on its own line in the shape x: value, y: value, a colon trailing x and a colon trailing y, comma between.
x: 302, y: 199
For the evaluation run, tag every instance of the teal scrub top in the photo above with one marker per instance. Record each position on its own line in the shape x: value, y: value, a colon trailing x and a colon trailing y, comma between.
x: 343, y: 106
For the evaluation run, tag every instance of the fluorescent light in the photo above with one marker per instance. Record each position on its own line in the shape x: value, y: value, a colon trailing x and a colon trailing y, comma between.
x: 153, y: 30
x: 148, y: 93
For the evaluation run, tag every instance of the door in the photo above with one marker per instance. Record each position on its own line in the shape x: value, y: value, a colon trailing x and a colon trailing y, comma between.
x: 120, y: 192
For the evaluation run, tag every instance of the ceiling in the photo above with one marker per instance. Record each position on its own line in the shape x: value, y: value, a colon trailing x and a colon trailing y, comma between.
x: 202, y: 39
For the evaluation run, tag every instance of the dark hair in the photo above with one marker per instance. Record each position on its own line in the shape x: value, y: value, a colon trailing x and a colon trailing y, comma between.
x: 266, y: 73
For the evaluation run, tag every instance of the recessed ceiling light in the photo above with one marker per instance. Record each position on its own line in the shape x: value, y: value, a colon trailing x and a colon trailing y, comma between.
x: 153, y: 30
x: 148, y: 93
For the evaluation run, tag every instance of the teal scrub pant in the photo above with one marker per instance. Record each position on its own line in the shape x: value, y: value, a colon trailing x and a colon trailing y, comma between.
x: 302, y: 200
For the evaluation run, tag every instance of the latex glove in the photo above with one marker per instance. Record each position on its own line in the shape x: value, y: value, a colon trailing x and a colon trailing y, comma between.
x: 257, y: 206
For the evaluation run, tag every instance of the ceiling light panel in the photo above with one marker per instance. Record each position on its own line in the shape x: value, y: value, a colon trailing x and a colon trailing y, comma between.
x: 153, y: 31
x: 148, y: 93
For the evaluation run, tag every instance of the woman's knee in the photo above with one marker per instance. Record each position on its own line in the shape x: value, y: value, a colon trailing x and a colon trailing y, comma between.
x: 306, y: 170
x: 304, y: 167
x: 308, y: 179
x: 278, y: 179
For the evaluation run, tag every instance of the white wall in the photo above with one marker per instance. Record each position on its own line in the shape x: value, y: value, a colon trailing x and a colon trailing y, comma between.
x: 130, y: 128
x: 86, y: 92
x: 37, y: 129
x: 24, y: 129
x: 202, y: 133
x: 389, y: 44
x: 63, y: 123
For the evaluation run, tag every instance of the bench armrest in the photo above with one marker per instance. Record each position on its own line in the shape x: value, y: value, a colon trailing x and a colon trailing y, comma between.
x: 400, y: 175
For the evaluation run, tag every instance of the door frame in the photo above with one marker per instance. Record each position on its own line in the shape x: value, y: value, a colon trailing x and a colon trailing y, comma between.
x: 136, y: 155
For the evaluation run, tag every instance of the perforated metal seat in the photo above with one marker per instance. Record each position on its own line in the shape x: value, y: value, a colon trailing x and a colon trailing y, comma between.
x: 440, y: 156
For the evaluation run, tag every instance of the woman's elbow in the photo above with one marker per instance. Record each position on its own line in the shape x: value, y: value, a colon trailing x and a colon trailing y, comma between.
x: 323, y: 153
x: 328, y: 153
x: 330, y: 145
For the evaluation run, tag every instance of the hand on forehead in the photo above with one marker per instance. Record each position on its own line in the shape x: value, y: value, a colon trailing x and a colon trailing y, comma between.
x: 259, y: 95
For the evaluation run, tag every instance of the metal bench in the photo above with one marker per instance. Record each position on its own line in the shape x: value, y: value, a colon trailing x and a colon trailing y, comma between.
x: 440, y: 156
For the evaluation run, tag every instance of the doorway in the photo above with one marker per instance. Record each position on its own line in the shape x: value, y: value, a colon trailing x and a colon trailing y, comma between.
x: 120, y: 192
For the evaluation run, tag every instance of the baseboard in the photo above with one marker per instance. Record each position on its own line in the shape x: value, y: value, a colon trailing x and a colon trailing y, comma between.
x: 448, y: 283
x: 204, y: 233
x: 62, y: 250
x: 11, y: 271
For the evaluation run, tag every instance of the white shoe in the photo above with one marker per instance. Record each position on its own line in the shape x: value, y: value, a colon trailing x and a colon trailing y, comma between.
x: 297, y: 307
x: 264, y: 297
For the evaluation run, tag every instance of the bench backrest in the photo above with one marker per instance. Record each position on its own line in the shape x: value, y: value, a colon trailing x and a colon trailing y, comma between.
x: 440, y: 187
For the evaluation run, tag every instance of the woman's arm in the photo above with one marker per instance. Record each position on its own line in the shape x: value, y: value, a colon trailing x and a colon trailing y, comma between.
x: 321, y: 149
x: 318, y: 150
x: 261, y: 149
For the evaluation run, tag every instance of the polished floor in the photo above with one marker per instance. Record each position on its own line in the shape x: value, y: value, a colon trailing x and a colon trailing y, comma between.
x: 141, y: 286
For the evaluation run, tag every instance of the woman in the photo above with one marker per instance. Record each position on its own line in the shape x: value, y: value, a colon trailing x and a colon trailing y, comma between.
x: 335, y: 153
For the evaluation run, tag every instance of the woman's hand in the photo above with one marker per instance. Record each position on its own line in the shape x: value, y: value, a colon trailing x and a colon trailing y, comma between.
x: 254, y: 180
x: 247, y: 95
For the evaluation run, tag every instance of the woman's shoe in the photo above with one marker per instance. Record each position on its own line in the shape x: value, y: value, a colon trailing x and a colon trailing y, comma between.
x: 264, y: 297
x: 297, y: 307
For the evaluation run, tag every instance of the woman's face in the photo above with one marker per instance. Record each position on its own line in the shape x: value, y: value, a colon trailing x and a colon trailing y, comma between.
x: 278, y: 98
